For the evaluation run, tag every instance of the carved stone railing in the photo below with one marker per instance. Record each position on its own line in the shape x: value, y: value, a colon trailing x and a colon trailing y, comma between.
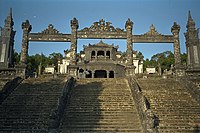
x: 57, y: 114
x: 9, y: 87
x: 191, y: 88
x: 148, y: 120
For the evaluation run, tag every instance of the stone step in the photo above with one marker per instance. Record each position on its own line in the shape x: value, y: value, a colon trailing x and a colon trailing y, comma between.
x: 103, y: 108
x: 100, y: 130
x: 29, y: 106
x: 176, y: 109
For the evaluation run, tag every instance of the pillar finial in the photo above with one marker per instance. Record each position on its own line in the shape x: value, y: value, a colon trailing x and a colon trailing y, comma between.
x: 11, y: 12
x: 189, y: 16
x: 190, y: 23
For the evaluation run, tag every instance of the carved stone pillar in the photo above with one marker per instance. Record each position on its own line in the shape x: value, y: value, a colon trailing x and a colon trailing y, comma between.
x: 175, y: 31
x: 24, y: 51
x: 179, y: 68
x: 129, y: 45
x: 130, y: 69
x: 74, y: 26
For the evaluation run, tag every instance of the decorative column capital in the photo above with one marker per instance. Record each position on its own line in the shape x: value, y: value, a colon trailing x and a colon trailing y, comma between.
x: 26, y: 26
x: 74, y: 23
x: 129, y: 24
x: 175, y: 28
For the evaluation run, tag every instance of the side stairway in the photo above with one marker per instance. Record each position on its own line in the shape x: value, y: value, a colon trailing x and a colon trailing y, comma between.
x: 177, y: 110
x: 101, y: 105
x: 29, y: 106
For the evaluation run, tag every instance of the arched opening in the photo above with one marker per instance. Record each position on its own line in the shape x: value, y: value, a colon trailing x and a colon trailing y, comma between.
x: 100, y: 74
x: 93, y: 54
x: 100, y: 53
x: 88, y: 74
x: 111, y: 74
x: 108, y: 54
x: 81, y: 74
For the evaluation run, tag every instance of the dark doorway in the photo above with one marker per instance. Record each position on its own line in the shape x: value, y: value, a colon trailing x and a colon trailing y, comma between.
x: 93, y: 54
x: 111, y: 74
x: 81, y: 73
x: 88, y: 74
x: 100, y: 74
x: 108, y: 54
x: 100, y: 53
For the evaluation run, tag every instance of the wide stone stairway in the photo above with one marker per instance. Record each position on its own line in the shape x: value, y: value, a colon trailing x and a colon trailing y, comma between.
x: 29, y: 106
x: 101, y: 105
x: 177, y: 110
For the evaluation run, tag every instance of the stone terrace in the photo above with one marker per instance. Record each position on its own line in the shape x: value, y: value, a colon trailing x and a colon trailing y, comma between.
x: 29, y: 106
x: 177, y: 110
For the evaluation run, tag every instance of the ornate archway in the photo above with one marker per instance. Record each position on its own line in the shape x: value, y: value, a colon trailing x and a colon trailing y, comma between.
x: 100, y: 30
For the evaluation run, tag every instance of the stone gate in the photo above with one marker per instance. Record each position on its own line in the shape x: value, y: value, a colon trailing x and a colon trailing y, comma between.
x: 102, y: 30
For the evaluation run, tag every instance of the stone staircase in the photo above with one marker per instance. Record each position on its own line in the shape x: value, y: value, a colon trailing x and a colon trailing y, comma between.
x: 29, y: 106
x: 101, y: 105
x: 177, y: 110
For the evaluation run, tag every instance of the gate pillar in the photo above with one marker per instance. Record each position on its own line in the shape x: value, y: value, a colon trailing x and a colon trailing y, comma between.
x: 179, y: 69
x: 24, y: 51
x: 130, y: 69
x: 74, y: 26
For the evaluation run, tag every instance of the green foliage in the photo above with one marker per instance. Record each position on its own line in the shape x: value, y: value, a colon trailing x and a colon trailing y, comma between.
x: 164, y: 60
x: 184, y: 58
x: 34, y: 61
x: 16, y: 58
x: 139, y: 55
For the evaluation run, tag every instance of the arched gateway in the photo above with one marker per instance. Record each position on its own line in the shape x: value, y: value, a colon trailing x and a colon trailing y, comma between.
x: 101, y: 30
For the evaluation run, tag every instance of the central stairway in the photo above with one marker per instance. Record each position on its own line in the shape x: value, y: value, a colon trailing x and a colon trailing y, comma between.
x: 101, y: 105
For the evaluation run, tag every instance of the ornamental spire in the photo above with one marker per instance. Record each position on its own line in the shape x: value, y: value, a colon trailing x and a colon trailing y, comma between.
x: 190, y: 23
x: 9, y: 20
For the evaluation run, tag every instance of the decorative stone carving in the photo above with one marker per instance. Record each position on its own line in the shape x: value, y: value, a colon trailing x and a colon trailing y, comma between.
x: 175, y: 31
x: 26, y: 26
x: 74, y: 23
x: 129, y: 24
x: 152, y: 31
x: 192, y: 45
x: 73, y: 49
x: 50, y: 30
x: 102, y: 26
x: 24, y: 51
x: 129, y: 46
x: 7, y: 43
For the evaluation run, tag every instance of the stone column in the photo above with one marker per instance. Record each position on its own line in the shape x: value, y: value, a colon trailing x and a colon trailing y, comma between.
x: 130, y: 69
x: 105, y: 54
x: 129, y: 46
x: 175, y: 31
x: 74, y: 26
x: 93, y: 72
x: 179, y: 68
x: 24, y: 51
x: 107, y: 72
x: 96, y: 54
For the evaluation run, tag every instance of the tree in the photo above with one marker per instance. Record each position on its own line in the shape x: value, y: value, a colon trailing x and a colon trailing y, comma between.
x: 16, y: 58
x: 184, y: 59
x: 54, y: 58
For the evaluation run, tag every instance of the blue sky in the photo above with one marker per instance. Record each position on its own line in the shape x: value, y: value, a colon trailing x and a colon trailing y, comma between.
x: 40, y: 13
